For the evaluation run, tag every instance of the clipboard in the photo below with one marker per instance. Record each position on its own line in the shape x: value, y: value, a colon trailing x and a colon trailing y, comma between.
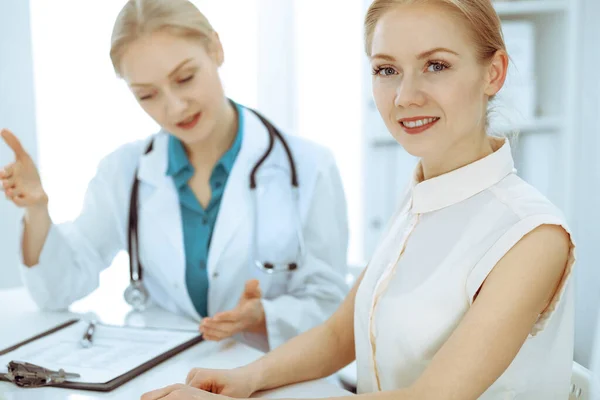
x: 119, y: 380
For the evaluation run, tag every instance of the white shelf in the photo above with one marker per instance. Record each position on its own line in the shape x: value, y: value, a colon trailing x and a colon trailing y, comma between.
x: 522, y: 7
x: 542, y: 124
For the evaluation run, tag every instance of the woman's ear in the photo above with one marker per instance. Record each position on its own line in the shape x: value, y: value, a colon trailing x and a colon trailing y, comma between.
x: 216, y: 49
x: 496, y: 73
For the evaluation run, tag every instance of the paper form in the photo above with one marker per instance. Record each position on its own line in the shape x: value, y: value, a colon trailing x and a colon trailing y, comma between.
x: 115, y: 350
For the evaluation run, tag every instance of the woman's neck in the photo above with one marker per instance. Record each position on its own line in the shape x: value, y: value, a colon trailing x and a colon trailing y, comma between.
x: 461, y: 154
x: 206, y: 153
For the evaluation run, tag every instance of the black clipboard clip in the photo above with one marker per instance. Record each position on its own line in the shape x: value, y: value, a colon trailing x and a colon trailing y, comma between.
x: 28, y: 375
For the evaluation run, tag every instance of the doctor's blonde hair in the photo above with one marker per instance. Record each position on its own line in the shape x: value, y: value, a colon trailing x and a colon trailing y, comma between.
x: 479, y: 15
x: 141, y: 17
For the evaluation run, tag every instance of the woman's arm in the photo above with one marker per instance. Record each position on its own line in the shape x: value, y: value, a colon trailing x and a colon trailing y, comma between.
x: 315, y: 354
x: 515, y: 293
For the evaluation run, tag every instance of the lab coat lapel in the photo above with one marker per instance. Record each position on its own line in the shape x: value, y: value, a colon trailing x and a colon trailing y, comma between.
x: 236, y: 203
x: 159, y: 202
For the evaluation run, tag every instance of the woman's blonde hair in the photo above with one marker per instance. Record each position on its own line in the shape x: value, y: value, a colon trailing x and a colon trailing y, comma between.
x: 480, y: 16
x: 141, y: 17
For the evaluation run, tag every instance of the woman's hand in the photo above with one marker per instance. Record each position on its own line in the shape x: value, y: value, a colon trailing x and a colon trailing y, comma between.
x: 210, y: 384
x: 239, y: 383
x: 181, y: 392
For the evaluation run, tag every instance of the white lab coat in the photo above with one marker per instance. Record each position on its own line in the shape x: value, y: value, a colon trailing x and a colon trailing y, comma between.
x: 75, y: 253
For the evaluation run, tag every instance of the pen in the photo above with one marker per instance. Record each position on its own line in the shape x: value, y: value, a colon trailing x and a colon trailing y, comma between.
x: 86, y: 341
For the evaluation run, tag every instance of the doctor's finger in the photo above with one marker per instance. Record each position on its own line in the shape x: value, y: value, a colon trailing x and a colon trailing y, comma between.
x: 226, y: 316
x: 15, y: 196
x: 213, y: 329
x: 227, y: 328
x: 20, y: 201
x: 9, y: 182
x: 7, y: 171
x: 17, y: 192
x: 210, y: 338
x: 9, y: 193
x: 223, y: 326
x: 215, y: 335
x: 6, y: 184
x: 14, y: 143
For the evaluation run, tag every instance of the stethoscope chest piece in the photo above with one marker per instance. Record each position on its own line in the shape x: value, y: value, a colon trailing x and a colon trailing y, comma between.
x: 136, y: 295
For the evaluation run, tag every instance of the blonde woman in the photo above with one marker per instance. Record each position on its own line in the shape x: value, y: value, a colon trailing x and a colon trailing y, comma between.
x: 468, y: 295
x: 225, y: 219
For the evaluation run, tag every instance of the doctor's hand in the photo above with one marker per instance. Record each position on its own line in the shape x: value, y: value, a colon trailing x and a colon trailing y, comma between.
x: 20, y: 180
x: 247, y: 316
x: 181, y: 392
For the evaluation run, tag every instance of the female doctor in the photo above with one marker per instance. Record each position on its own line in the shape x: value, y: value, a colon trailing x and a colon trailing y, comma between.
x: 225, y: 220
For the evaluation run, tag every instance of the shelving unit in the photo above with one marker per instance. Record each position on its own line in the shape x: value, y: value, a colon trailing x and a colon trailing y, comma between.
x: 544, y: 150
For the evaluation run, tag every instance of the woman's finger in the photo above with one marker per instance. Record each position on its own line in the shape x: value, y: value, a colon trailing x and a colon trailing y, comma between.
x: 161, y: 393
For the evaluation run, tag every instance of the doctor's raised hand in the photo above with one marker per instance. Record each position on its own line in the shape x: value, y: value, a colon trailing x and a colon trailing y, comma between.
x: 223, y: 216
x: 22, y: 185
x: 20, y: 180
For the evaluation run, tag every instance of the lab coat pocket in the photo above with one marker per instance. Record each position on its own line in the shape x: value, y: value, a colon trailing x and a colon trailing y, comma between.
x: 277, y: 230
x: 279, y: 284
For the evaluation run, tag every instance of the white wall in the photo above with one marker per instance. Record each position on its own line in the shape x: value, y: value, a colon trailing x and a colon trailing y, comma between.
x: 586, y: 191
x: 276, y: 63
x: 17, y: 112
x: 329, y: 95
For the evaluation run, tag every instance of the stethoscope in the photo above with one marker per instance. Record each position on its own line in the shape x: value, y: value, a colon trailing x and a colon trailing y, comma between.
x: 136, y: 294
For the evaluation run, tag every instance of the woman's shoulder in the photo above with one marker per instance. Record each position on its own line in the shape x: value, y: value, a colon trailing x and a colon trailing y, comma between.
x: 525, y: 200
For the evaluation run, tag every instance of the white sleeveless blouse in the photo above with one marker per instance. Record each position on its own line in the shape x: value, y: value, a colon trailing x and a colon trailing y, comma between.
x: 448, y: 234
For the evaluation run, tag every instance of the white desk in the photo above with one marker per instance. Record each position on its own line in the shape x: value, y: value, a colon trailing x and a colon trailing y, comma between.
x: 20, y: 319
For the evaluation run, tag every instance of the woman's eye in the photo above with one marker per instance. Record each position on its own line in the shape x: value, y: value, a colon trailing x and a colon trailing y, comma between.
x: 436, y: 67
x: 145, y: 97
x: 385, y: 71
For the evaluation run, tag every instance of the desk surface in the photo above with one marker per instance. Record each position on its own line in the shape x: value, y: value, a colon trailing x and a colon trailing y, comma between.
x: 22, y: 319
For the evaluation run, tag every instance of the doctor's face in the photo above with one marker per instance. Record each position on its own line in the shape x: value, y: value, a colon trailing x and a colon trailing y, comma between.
x: 430, y: 88
x: 176, y: 81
